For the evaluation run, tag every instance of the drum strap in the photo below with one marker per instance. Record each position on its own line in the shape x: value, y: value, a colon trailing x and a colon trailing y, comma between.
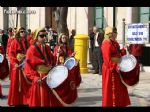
x: 60, y: 100
x: 126, y: 83
x: 25, y: 77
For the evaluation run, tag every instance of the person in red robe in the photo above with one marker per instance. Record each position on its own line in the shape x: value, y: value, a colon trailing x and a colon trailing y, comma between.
x: 63, y: 49
x: 4, y: 68
x: 136, y: 50
x: 11, y: 34
x: 18, y: 85
x: 39, y: 61
x: 68, y: 95
x: 114, y: 92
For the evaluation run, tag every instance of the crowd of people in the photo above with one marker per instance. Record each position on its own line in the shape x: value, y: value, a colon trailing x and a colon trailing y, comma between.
x: 32, y: 54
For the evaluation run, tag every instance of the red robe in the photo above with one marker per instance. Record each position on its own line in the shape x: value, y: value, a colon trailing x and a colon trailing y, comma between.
x: 18, y: 84
x: 29, y: 39
x: 0, y: 90
x: 34, y: 58
x: 10, y: 39
x: 114, y: 93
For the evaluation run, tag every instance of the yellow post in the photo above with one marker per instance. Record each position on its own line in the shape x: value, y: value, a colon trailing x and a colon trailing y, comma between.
x: 81, y: 46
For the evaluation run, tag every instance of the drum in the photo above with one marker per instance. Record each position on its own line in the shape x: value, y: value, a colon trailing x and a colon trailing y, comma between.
x: 1, y: 58
x: 129, y: 70
x: 4, y: 69
x: 70, y: 63
x: 57, y: 76
x: 127, y: 63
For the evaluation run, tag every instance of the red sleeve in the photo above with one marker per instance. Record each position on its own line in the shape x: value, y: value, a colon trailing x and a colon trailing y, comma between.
x: 55, y: 50
x: 123, y: 51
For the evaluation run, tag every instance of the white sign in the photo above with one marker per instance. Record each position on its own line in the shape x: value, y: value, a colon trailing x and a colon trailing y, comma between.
x: 137, y: 33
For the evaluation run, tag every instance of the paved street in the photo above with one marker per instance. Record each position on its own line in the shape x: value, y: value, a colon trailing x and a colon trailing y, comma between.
x: 90, y: 91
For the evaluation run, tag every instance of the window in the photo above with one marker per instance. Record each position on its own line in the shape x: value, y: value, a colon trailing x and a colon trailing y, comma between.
x: 144, y: 14
x: 98, y: 17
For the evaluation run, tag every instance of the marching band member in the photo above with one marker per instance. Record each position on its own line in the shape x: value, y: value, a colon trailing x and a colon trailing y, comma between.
x: 11, y: 34
x: 69, y: 93
x: 114, y: 92
x: 4, y: 69
x: 18, y: 84
x: 39, y: 61
x: 62, y: 49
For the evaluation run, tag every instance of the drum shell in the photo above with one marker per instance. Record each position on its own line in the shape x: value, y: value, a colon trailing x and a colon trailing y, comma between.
x: 131, y: 78
x: 65, y: 91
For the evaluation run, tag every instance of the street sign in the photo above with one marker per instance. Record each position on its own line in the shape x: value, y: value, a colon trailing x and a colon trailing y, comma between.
x: 137, y: 33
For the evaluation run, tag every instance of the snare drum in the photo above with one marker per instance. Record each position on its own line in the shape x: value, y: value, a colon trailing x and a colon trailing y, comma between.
x: 70, y: 63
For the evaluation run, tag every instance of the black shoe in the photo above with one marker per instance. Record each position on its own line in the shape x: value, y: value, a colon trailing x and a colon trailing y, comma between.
x: 3, y: 97
x: 91, y: 68
x: 96, y: 72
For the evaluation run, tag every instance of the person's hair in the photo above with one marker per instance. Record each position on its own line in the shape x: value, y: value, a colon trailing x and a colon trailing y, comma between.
x: 10, y: 29
x: 47, y: 26
x: 114, y: 29
x: 18, y: 33
x: 29, y: 30
x: 60, y: 37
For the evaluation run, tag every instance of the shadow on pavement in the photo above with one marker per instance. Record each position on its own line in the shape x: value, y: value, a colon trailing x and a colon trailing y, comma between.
x: 88, y: 90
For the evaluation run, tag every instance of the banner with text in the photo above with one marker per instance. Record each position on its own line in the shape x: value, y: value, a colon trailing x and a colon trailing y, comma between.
x: 137, y: 33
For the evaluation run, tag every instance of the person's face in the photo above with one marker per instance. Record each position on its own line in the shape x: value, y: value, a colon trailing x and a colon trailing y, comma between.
x: 42, y: 37
x: 64, y: 39
x: 22, y: 33
x: 114, y: 35
x: 10, y: 33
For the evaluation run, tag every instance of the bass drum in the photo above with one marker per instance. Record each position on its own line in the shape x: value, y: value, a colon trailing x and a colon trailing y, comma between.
x: 63, y: 88
x: 4, y: 69
x: 129, y: 70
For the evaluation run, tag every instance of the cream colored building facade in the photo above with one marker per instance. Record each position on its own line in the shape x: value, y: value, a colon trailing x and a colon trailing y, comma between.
x: 79, y: 18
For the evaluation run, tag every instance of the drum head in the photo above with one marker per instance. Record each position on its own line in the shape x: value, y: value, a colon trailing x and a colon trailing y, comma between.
x: 1, y: 58
x: 128, y: 63
x: 70, y: 63
x: 56, y: 76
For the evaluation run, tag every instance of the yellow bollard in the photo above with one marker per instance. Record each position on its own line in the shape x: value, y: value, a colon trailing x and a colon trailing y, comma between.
x: 81, y: 46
